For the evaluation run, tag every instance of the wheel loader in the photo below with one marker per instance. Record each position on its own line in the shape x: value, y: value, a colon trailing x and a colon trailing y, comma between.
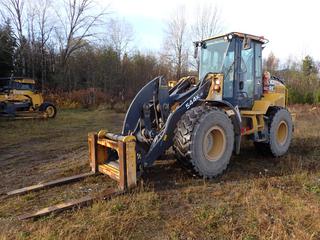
x: 19, y: 99
x: 203, y: 120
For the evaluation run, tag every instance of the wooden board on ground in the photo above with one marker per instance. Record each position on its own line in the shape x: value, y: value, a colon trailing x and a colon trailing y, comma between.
x: 87, y: 200
x: 53, y: 183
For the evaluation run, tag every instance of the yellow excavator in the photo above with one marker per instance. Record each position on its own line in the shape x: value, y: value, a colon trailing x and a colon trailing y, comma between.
x: 19, y: 99
x: 203, y: 120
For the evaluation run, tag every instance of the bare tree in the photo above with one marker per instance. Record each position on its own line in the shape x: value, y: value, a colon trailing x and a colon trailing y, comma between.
x: 175, y: 42
x: 78, y: 23
x: 32, y: 41
x: 271, y: 64
x: 207, y: 22
x: 45, y: 28
x: 120, y: 35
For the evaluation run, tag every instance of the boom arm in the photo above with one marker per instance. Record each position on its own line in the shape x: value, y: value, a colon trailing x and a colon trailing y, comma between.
x: 152, y: 121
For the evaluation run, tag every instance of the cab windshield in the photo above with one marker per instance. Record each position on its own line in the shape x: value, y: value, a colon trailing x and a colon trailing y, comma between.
x: 213, y: 55
x: 23, y: 86
x: 218, y: 56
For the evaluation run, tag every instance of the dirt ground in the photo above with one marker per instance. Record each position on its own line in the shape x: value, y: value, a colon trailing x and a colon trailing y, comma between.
x: 258, y: 197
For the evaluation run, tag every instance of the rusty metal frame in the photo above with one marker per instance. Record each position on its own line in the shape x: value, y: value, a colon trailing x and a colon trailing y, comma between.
x: 125, y: 173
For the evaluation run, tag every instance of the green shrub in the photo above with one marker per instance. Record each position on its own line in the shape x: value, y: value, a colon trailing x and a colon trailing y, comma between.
x: 309, y: 98
x: 317, y: 96
x: 295, y: 96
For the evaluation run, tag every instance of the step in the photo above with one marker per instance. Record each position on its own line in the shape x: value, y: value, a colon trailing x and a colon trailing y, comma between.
x: 261, y: 140
x: 251, y: 113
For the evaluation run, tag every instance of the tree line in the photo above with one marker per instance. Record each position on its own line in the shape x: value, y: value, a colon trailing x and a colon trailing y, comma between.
x: 301, y: 77
x: 76, y: 44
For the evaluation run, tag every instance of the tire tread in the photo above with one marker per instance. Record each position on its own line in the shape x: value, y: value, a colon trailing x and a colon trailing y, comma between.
x: 184, y: 133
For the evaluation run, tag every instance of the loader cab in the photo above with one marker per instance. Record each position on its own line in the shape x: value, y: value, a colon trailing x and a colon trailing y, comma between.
x: 239, y: 58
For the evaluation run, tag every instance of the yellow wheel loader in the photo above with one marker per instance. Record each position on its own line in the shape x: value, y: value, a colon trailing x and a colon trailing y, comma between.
x: 19, y: 99
x: 203, y: 120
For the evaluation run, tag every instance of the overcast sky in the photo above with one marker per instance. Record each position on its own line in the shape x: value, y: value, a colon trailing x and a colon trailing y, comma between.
x: 292, y: 26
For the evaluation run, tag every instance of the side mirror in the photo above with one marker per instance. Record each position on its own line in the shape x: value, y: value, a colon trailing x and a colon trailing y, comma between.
x: 195, y: 54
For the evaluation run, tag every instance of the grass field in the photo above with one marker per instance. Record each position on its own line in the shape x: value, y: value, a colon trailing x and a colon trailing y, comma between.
x: 258, y: 197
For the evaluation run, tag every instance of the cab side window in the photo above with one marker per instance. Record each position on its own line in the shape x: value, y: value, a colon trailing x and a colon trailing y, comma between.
x: 258, y: 60
x: 258, y: 70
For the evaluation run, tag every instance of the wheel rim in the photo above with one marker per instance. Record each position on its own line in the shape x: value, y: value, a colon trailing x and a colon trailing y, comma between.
x: 50, y: 111
x: 214, y: 143
x: 282, y: 133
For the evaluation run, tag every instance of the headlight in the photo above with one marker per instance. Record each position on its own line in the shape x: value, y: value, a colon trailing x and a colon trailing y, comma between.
x: 217, y: 88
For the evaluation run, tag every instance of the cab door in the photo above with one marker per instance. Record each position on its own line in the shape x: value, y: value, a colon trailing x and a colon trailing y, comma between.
x: 246, y: 74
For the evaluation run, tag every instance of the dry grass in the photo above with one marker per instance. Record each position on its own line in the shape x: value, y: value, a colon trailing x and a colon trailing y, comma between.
x: 258, y: 197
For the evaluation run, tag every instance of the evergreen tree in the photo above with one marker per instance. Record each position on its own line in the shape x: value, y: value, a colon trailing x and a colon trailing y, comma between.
x: 309, y: 66
x: 7, y: 48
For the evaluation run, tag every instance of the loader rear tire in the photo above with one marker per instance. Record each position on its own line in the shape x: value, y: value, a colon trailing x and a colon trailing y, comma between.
x: 280, y: 133
x: 51, y: 110
x: 204, y: 140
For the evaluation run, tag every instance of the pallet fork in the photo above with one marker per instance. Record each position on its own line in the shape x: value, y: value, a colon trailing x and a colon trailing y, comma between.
x: 109, y: 154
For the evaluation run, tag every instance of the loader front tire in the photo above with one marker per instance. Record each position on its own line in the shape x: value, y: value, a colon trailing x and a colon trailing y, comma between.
x: 182, y: 134
x: 204, y: 139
